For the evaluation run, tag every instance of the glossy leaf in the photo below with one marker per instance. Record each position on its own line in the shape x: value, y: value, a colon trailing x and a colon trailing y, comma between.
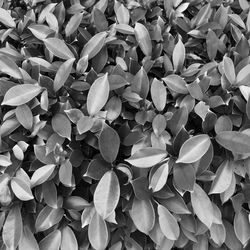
x: 202, y: 206
x: 21, y: 189
x: 28, y: 240
x: 193, y: 149
x: 51, y: 241
x: 68, y: 240
x: 98, y: 95
x: 61, y: 125
x: 42, y: 174
x: 158, y: 94
x: 21, y: 94
x: 147, y: 157
x: 168, y: 223
x: 24, y: 116
x: 8, y: 66
x: 107, y: 194
x: 178, y: 55
x: 6, y: 18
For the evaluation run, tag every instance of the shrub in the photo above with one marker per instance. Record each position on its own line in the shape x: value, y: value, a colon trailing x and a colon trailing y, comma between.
x: 124, y: 125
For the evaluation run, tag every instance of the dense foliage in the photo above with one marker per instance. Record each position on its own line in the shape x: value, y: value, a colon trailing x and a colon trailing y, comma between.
x: 124, y: 125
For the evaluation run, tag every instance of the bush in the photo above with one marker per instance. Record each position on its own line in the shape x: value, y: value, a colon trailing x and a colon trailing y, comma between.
x: 124, y: 125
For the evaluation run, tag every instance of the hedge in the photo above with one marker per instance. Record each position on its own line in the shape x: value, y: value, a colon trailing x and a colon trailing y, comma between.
x: 124, y: 124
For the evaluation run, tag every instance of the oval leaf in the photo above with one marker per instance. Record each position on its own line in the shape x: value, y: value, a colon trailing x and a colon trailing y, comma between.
x: 24, y: 116
x: 202, y: 206
x: 98, y: 95
x: 109, y: 143
x: 51, y: 241
x: 58, y: 48
x: 143, y: 39
x: 176, y: 84
x: 42, y: 174
x: 61, y: 125
x: 143, y: 215
x: 62, y: 74
x: 28, y: 240
x: 107, y: 194
x: 9, y: 67
x: 68, y: 239
x: 178, y: 55
x: 147, y: 157
x: 21, y: 189
x: 21, y: 94
x: 168, y: 223
x: 194, y: 148
x: 158, y: 94
x: 98, y: 232
x: 6, y: 18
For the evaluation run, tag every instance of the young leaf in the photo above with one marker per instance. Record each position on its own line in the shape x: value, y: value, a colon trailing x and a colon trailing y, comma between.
x: 47, y: 218
x: 107, y: 194
x: 21, y: 189
x: 24, y: 116
x: 202, y: 206
x: 98, y: 95
x: 12, y: 228
x: 68, y: 239
x: 98, y: 232
x: 158, y: 94
x: 62, y: 74
x: 42, y: 174
x: 235, y: 141
x: 61, y: 125
x: 21, y: 94
x: 94, y: 45
x: 143, y: 39
x: 109, y: 143
x: 223, y: 178
x: 51, y: 241
x: 179, y: 54
x: 58, y: 48
x: 147, y: 157
x: 143, y: 215
x: 168, y: 223
x: 6, y: 18
x: 9, y: 67
x: 194, y: 148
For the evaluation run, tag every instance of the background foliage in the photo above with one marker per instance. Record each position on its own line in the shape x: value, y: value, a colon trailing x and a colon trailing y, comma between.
x: 124, y: 125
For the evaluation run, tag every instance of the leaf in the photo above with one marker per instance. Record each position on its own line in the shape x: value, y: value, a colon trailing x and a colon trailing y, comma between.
x: 5, y: 161
x: 223, y: 178
x: 243, y: 76
x: 212, y: 44
x: 218, y: 233
x: 168, y: 223
x: 194, y: 148
x: 49, y: 192
x: 184, y: 176
x: 235, y: 141
x: 21, y: 94
x: 94, y: 45
x: 48, y: 217
x: 28, y: 240
x: 98, y: 95
x: 140, y: 83
x: 143, y: 215
x: 58, y: 48
x: 98, y: 232
x: 8, y: 66
x: 75, y: 203
x: 40, y: 31
x: 65, y: 174
x: 202, y: 206
x: 73, y: 24
x: 12, y: 228
x: 179, y: 55
x: 68, y: 239
x: 6, y: 18
x: 242, y: 226
x: 109, y: 143
x: 62, y: 74
x: 51, y: 241
x: 122, y: 15
x: 229, y: 69
x: 231, y: 241
x: 24, y: 116
x: 61, y: 125
x: 158, y: 94
x: 159, y: 177
x: 87, y: 215
x: 176, y: 84
x: 42, y: 174
x: 143, y: 38
x: 147, y: 157
x: 21, y: 189
x: 107, y: 194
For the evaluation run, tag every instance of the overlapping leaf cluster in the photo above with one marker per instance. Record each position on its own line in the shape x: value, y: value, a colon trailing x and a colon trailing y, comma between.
x: 124, y: 125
